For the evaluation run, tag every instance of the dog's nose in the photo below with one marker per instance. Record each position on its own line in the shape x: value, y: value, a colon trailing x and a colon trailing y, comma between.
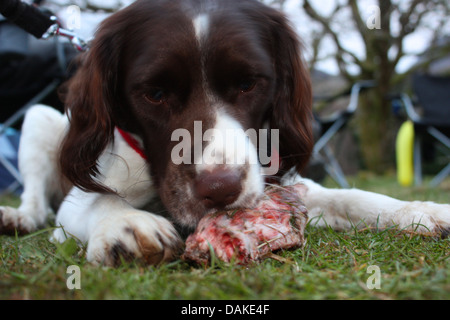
x: 218, y: 188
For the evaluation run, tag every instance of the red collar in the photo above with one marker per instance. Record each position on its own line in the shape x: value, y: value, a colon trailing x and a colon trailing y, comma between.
x: 132, y: 142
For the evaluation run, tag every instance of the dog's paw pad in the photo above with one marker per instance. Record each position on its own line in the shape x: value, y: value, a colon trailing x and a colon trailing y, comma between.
x: 12, y: 224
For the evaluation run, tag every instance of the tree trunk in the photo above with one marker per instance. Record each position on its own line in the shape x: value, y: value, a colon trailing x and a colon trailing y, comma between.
x: 376, y: 123
x: 376, y: 131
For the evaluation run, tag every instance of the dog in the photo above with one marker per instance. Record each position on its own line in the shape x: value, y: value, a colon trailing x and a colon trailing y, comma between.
x: 159, y: 71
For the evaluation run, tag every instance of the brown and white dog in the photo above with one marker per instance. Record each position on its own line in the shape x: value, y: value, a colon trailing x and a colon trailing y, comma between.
x: 159, y: 71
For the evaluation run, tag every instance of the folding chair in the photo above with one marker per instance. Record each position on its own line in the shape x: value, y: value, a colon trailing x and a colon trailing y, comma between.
x: 433, y: 96
x: 31, y: 71
x: 9, y: 176
x: 6, y: 162
x: 330, y: 126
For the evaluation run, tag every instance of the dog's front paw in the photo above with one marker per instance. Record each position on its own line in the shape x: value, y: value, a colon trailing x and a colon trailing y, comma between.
x: 12, y: 221
x: 426, y: 217
x: 440, y: 214
x: 137, y: 236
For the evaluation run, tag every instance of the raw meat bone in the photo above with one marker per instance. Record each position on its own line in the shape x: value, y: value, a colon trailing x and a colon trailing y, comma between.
x: 248, y: 235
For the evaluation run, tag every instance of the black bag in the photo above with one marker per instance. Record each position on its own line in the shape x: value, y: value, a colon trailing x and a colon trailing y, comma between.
x: 27, y: 66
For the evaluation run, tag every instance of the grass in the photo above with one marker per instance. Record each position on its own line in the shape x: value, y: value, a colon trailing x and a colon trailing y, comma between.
x: 332, y: 265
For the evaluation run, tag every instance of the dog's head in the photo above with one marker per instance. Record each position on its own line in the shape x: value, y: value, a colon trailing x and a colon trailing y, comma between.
x: 197, y: 82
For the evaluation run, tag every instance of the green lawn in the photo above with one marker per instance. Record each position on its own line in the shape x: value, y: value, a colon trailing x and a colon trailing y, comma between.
x: 332, y: 265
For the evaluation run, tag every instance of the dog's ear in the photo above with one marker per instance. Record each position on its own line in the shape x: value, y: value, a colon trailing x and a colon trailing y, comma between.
x: 292, y: 108
x: 90, y: 102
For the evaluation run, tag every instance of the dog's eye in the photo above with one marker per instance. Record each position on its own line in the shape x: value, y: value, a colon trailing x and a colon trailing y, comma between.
x: 246, y: 85
x: 155, y: 96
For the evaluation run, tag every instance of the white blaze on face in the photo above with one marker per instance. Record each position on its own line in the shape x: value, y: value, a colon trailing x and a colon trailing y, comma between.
x: 225, y: 144
x: 201, y: 26
x: 228, y: 144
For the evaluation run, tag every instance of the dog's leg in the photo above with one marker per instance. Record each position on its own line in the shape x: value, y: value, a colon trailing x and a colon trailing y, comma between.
x: 346, y: 208
x: 115, y: 231
x: 110, y: 223
x: 42, y: 130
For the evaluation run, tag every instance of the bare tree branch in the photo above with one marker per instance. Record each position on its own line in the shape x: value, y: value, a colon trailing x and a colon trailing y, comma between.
x: 361, y: 26
x: 408, y: 26
x: 315, y: 45
x: 405, y: 19
x: 325, y: 22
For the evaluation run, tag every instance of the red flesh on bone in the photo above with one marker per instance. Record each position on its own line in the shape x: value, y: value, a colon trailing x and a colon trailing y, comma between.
x: 248, y: 235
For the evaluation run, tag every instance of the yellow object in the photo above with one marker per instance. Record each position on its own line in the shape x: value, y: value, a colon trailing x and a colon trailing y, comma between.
x: 405, y: 154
